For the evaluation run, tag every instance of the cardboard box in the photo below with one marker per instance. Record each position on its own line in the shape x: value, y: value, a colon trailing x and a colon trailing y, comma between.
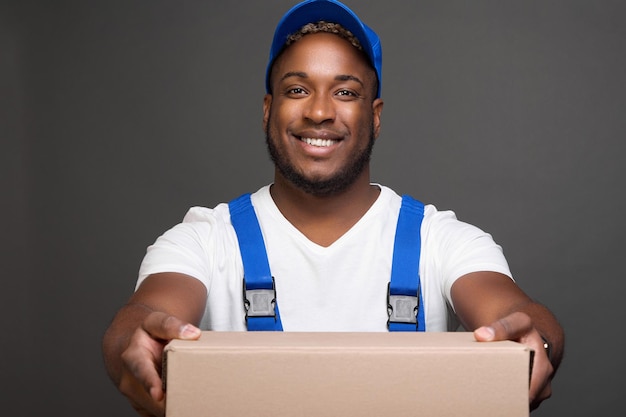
x: 291, y: 374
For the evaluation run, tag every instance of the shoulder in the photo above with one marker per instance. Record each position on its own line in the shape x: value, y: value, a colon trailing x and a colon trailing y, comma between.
x: 445, y: 225
x: 392, y: 201
x: 220, y: 214
x: 460, y: 247
x: 199, y: 214
x: 440, y: 224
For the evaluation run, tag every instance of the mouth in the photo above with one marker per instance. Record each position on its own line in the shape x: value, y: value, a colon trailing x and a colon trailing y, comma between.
x: 319, y: 142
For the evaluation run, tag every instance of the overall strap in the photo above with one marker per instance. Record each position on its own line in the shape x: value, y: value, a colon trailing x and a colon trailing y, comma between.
x: 259, y: 292
x: 404, y: 297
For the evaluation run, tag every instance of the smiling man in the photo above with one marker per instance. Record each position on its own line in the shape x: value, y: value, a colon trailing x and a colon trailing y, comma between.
x: 324, y: 97
x: 322, y: 234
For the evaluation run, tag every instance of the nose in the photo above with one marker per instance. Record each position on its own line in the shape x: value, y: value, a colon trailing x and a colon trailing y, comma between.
x: 320, y: 108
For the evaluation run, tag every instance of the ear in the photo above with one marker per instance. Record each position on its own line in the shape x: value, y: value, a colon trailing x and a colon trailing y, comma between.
x: 267, y: 104
x: 377, y: 110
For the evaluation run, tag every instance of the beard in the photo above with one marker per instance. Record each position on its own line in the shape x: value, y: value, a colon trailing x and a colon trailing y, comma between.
x: 340, y: 181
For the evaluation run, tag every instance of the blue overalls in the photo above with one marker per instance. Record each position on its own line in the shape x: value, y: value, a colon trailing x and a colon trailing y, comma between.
x: 405, y: 306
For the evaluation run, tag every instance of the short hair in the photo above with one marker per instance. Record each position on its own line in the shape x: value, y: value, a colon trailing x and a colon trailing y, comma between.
x: 324, y: 27
x: 327, y: 27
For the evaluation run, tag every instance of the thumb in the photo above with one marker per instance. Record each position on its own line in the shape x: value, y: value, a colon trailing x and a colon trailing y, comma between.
x: 485, y: 334
x: 511, y: 327
x: 163, y: 326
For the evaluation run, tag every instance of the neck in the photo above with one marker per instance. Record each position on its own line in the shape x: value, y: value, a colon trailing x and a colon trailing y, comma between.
x: 324, y: 219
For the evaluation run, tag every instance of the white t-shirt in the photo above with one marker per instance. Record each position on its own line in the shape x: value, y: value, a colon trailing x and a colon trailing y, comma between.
x: 342, y: 287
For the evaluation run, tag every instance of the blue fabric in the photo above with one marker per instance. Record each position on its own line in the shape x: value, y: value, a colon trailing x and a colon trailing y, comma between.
x: 405, y: 279
x: 256, y: 267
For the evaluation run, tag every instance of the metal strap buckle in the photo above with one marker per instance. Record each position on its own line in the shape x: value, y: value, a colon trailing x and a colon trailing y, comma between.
x: 402, y: 308
x: 259, y: 302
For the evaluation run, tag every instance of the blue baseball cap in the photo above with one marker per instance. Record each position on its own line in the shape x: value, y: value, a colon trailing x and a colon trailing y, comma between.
x: 312, y: 11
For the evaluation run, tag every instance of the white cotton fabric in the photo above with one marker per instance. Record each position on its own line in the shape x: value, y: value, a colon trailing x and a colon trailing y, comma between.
x: 342, y: 287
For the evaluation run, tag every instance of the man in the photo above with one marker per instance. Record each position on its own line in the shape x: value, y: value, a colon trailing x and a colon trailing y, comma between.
x: 328, y: 230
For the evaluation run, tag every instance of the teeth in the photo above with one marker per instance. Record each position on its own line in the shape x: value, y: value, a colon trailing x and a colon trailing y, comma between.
x: 318, y: 142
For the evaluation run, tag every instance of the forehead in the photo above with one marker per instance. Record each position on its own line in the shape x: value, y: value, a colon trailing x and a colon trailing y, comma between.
x: 323, y: 53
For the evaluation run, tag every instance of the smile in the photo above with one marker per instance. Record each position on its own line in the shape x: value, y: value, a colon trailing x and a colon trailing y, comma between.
x: 318, y: 142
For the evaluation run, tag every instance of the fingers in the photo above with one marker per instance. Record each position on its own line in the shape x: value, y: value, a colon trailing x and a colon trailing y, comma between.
x: 143, y: 356
x: 542, y: 371
x: 540, y: 386
x: 142, y: 360
x: 518, y: 327
x: 139, y: 399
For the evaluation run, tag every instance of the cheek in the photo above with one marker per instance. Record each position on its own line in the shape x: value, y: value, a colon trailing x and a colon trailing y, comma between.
x: 282, y: 115
x: 357, y: 119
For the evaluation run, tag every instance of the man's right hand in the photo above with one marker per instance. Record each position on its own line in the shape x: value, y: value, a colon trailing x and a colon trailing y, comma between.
x: 140, y: 378
x: 164, y: 307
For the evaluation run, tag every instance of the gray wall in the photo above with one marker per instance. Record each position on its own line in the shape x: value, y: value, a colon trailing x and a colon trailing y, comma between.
x: 119, y: 115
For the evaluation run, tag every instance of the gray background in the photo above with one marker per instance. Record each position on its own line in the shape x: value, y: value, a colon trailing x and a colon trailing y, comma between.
x: 119, y: 115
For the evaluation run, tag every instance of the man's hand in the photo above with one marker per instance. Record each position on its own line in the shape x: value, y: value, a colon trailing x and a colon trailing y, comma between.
x: 518, y: 327
x: 141, y: 361
x: 164, y: 307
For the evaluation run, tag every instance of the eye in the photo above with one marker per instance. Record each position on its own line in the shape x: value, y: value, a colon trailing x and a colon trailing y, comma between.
x: 347, y: 94
x: 295, y: 91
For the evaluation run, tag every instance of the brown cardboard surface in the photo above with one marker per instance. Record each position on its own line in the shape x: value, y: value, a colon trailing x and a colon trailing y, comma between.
x: 291, y: 374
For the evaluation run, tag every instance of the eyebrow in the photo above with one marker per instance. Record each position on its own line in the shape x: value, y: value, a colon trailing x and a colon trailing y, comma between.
x: 349, y: 78
x: 297, y: 74
x: 300, y: 74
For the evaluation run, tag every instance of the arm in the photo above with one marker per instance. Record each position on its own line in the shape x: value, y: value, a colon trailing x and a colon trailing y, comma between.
x: 165, y: 306
x: 495, y: 308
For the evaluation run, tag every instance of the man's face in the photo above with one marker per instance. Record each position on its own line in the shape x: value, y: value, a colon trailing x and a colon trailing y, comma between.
x: 321, y: 119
